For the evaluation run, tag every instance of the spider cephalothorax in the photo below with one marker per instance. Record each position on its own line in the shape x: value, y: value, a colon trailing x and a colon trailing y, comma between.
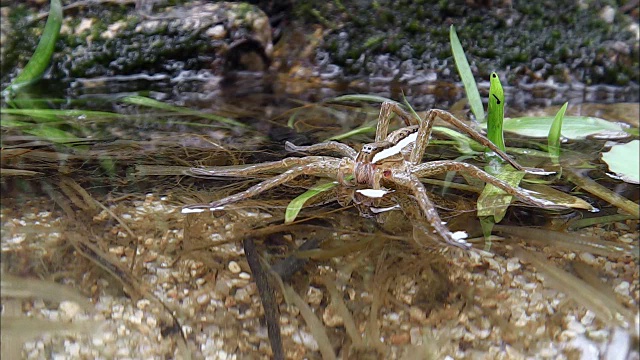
x: 393, y: 159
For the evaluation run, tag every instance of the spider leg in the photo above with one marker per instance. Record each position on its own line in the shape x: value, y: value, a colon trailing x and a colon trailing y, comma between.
x: 448, y: 117
x: 429, y: 211
x: 387, y: 109
x: 340, y: 148
x: 327, y: 168
x: 436, y: 167
x: 255, y: 169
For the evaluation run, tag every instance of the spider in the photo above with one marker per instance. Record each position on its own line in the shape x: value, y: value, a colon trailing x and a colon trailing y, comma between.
x: 393, y: 159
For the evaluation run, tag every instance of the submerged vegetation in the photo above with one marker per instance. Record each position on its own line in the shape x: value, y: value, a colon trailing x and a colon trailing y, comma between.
x: 92, y: 198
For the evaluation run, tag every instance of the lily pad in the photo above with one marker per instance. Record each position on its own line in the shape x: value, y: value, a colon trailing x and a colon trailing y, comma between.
x: 573, y: 127
x: 624, y: 159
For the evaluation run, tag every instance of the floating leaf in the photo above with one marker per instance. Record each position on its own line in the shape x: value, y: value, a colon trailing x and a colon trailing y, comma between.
x: 623, y: 159
x: 553, y: 139
x: 296, y: 204
x: 573, y: 127
x: 464, y: 70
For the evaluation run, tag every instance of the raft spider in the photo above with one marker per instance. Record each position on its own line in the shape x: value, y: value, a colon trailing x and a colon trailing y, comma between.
x: 394, y: 159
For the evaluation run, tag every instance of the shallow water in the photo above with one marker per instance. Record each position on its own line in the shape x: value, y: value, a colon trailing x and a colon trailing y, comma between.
x: 86, y: 218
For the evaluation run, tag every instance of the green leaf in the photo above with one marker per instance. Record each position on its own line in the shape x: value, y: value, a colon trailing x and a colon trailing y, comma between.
x: 495, y: 112
x: 411, y: 109
x: 12, y: 123
x: 546, y: 192
x: 42, y: 55
x: 624, y: 159
x: 361, y: 97
x: 52, y: 114
x: 52, y: 134
x: 464, y: 70
x: 493, y: 201
x: 555, y: 132
x: 464, y: 144
x: 365, y: 129
x: 296, y: 204
x: 573, y: 127
x: 148, y: 102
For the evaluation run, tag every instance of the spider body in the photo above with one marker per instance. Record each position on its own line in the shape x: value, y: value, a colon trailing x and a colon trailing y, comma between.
x: 393, y: 159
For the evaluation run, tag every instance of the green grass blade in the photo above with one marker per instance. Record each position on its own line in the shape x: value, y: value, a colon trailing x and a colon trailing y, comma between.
x: 52, y: 134
x: 411, y: 110
x: 495, y: 110
x: 555, y: 133
x: 365, y: 129
x: 42, y: 55
x: 294, y: 207
x: 361, y: 97
x: 148, y: 102
x: 464, y: 70
x: 51, y: 114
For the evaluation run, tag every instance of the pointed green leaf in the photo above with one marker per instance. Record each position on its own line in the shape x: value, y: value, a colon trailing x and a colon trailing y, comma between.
x: 361, y: 97
x: 555, y: 132
x: 296, y: 204
x: 42, y: 55
x: 495, y: 112
x: 52, y: 134
x: 464, y: 70
x: 366, y: 129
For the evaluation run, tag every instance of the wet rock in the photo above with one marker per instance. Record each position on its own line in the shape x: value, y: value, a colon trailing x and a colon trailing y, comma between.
x: 111, y: 39
x: 564, y: 41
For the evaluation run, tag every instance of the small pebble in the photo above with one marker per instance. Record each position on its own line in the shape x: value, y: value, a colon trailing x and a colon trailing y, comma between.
x: 622, y: 288
x: 203, y: 299
x: 588, y: 258
x: 244, y: 275
x: 513, y: 264
x: 234, y: 267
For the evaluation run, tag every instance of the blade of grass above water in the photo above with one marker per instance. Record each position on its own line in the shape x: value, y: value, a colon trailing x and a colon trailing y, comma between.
x: 365, y: 129
x: 361, y: 97
x: 495, y: 110
x: 148, y: 102
x: 553, y: 138
x: 468, y: 80
x: 42, y: 55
